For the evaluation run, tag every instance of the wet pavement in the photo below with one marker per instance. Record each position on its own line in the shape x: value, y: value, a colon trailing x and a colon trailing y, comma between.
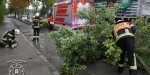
x: 46, y: 49
x: 23, y: 60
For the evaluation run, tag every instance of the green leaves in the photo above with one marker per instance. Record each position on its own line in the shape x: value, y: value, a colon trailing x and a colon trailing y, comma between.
x: 48, y: 2
x: 113, y: 52
x: 80, y: 47
x: 87, y: 14
x: 142, y: 38
x: 85, y: 46
x: 2, y: 10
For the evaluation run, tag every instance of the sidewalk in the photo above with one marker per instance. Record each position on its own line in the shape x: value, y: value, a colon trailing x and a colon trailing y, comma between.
x: 25, y: 52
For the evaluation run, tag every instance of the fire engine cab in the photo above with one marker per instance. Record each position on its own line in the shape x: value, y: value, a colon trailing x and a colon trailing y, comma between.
x: 62, y: 13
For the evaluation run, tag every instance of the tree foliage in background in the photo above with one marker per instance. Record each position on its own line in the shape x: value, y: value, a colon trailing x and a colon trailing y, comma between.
x: 142, y: 39
x: 103, y: 30
x: 35, y: 5
x: 2, y: 11
x: 17, y: 5
x: 85, y: 46
x: 47, y: 4
x: 102, y: 23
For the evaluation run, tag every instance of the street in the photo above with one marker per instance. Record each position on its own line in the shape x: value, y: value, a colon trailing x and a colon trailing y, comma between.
x: 24, y: 52
x: 40, y: 56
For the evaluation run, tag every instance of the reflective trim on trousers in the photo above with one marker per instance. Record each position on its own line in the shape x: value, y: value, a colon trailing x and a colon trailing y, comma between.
x: 120, y: 65
x: 35, y: 36
x: 134, y: 67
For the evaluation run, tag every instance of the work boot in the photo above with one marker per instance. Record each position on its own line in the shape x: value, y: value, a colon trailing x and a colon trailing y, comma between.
x: 33, y: 39
x: 37, y: 39
x: 120, y: 69
x: 132, y: 72
x: 6, y: 46
x: 2, y: 45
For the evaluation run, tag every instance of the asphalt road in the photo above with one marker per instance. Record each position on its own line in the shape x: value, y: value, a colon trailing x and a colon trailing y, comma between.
x: 47, y: 49
x: 29, y: 62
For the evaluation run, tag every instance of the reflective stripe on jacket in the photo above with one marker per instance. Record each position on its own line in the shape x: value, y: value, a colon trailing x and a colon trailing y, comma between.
x: 122, y: 29
x: 37, y: 23
x: 8, y: 36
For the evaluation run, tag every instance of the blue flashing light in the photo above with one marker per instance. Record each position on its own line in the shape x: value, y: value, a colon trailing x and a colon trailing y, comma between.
x: 73, y: 22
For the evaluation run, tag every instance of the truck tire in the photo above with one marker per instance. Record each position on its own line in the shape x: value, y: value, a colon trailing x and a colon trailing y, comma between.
x: 50, y: 28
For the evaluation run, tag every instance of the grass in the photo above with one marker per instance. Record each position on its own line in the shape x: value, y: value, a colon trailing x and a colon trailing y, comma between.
x: 27, y: 22
x: 145, y: 55
x: 146, y: 60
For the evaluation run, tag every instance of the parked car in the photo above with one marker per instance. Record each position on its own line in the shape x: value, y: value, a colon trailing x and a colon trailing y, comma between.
x: 24, y: 17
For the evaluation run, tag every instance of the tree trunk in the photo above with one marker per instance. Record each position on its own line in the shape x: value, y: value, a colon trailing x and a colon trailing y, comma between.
x: 144, y: 66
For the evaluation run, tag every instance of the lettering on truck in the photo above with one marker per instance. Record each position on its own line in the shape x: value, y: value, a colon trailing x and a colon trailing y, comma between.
x: 63, y: 14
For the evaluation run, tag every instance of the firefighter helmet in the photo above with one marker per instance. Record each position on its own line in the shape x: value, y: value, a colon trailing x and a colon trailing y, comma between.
x: 37, y: 14
x: 17, y: 32
x: 119, y: 21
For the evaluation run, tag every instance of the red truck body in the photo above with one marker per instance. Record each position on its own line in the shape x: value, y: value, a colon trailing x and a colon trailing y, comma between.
x: 63, y: 14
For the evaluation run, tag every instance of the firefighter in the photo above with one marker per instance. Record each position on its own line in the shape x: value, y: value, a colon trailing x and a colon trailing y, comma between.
x: 37, y: 23
x: 9, y: 37
x: 123, y: 33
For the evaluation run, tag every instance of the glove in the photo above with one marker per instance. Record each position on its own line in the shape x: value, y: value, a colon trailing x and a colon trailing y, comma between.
x: 12, y: 46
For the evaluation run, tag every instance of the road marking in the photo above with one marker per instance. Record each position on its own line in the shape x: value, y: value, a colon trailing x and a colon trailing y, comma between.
x: 55, y: 72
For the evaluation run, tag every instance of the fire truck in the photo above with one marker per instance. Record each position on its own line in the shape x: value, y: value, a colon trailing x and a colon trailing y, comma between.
x: 62, y: 13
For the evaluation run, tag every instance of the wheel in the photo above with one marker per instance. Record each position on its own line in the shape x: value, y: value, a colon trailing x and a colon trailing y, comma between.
x: 50, y: 27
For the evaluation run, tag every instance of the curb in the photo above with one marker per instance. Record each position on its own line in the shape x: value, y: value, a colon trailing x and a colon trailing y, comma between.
x: 46, y: 62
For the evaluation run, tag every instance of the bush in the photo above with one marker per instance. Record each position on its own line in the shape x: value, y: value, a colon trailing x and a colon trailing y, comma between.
x: 44, y: 23
x: 76, y: 46
x: 142, y: 39
x: 2, y: 11
x: 27, y: 22
x: 85, y: 46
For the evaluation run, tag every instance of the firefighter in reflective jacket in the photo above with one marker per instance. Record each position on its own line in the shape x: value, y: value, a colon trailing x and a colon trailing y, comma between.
x: 124, y: 38
x: 37, y: 23
x: 9, y: 37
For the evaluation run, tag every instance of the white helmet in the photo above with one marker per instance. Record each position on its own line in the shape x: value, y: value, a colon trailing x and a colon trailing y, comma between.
x: 17, y: 32
x: 119, y: 21
x: 37, y: 14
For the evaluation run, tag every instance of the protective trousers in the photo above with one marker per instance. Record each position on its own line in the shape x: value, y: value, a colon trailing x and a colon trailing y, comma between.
x: 36, y: 32
x: 128, y: 45
x: 7, y: 43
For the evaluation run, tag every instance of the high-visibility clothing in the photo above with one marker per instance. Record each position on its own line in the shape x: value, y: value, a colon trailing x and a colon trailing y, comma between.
x: 37, y: 23
x: 123, y: 34
x: 128, y: 45
x: 36, y: 34
x: 9, y: 37
x: 122, y: 30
